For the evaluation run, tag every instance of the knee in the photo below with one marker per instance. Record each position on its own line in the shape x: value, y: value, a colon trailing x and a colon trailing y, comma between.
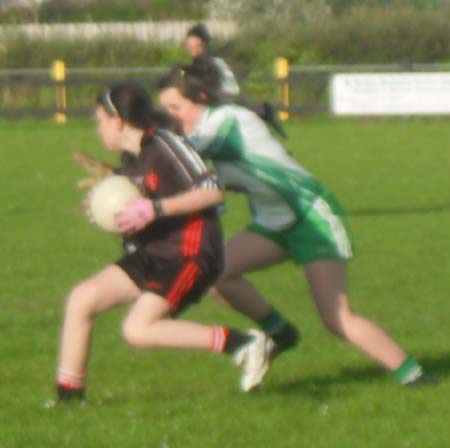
x: 339, y: 324
x: 334, y: 327
x: 226, y: 278
x: 230, y: 273
x: 133, y: 333
x: 81, y: 301
x: 214, y: 293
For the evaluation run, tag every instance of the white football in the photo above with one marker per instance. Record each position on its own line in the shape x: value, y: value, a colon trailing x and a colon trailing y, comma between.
x: 108, y: 197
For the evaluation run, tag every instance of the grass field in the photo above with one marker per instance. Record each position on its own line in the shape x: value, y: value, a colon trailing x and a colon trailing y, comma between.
x: 392, y: 177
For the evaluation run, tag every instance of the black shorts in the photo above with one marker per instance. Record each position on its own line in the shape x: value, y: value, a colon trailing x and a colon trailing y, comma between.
x: 181, y: 281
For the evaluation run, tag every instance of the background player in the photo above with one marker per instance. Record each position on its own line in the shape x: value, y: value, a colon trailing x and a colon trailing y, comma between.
x: 198, y: 45
x: 220, y: 77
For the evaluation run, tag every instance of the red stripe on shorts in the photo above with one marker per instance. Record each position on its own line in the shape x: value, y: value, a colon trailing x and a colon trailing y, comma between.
x: 183, y: 283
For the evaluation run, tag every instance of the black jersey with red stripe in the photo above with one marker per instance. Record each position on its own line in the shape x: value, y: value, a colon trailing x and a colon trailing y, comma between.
x: 168, y: 165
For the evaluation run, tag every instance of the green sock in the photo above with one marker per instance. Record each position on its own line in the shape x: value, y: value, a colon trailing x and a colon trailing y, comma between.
x: 273, y: 322
x: 408, y: 372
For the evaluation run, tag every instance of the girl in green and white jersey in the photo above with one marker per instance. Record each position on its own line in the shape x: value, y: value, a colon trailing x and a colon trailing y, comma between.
x: 293, y: 216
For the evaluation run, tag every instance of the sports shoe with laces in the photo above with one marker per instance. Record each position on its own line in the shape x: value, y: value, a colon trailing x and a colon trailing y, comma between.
x: 254, y: 358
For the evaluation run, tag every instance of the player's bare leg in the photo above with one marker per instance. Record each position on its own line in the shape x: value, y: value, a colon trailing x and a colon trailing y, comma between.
x: 328, y: 283
x: 148, y: 326
x: 246, y: 252
x: 109, y: 288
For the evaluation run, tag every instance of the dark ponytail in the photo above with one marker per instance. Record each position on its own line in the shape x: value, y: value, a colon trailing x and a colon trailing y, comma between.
x: 131, y: 102
x: 198, y: 81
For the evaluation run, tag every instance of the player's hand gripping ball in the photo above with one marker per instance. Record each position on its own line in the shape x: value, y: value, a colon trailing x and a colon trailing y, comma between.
x: 107, y: 198
x: 97, y: 169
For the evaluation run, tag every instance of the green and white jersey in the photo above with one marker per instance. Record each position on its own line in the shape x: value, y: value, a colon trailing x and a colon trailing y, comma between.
x: 249, y: 159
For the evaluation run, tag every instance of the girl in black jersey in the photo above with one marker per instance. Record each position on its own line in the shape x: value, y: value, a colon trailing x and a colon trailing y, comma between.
x: 173, y: 250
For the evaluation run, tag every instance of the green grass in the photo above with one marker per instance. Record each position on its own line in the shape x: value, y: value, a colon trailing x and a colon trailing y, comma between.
x: 391, y: 176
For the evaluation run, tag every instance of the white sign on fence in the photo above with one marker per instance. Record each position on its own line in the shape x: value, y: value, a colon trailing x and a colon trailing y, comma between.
x: 391, y: 94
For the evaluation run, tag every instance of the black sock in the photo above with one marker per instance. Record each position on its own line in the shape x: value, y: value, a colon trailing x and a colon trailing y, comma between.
x: 235, y: 340
x: 287, y: 337
x: 273, y: 322
x: 279, y: 329
x: 66, y: 394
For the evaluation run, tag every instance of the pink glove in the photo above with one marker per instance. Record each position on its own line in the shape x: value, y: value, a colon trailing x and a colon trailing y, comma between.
x: 138, y: 214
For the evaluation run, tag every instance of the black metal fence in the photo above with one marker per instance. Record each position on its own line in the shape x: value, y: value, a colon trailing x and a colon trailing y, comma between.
x: 59, y: 92
x: 45, y: 93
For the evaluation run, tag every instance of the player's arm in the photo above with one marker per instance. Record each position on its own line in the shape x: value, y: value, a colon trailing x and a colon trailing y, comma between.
x: 143, y: 211
x: 95, y: 168
x: 200, y: 190
x: 210, y: 141
x: 189, y: 202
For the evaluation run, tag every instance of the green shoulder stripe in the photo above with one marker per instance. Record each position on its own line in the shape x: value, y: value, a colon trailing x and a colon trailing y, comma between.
x: 227, y: 143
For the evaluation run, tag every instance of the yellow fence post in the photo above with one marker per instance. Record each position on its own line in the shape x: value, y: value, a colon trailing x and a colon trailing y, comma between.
x: 281, y: 70
x: 59, y: 75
